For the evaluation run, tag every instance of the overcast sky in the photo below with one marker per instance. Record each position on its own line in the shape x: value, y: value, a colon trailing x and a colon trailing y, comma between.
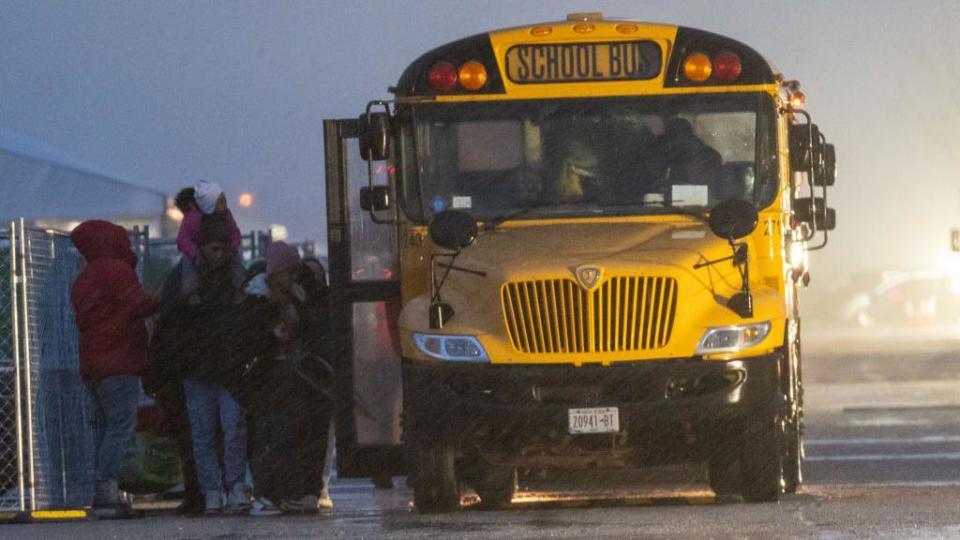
x: 164, y: 93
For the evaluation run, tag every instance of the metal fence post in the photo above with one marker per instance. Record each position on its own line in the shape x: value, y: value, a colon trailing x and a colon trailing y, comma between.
x: 27, y: 371
x: 17, y: 368
x: 146, y: 245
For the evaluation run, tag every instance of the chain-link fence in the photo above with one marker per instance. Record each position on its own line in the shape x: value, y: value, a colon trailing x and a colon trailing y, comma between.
x: 10, y: 440
x: 46, y: 413
x: 46, y: 440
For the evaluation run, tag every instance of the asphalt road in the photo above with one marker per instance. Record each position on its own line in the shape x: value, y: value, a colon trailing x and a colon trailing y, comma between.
x: 883, y: 461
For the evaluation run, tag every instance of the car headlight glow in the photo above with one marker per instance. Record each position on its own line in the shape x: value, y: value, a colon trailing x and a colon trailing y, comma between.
x: 453, y: 348
x: 733, y: 338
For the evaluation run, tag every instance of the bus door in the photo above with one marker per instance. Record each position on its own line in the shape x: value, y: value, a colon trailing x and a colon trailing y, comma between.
x: 365, y: 301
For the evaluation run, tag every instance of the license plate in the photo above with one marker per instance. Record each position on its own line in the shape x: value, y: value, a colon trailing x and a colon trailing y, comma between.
x: 594, y: 420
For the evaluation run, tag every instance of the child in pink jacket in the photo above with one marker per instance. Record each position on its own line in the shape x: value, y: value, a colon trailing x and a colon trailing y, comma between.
x: 206, y: 198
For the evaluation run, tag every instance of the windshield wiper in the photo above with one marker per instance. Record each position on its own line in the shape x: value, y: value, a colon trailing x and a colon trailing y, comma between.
x: 670, y: 208
x: 493, y: 223
x: 678, y: 210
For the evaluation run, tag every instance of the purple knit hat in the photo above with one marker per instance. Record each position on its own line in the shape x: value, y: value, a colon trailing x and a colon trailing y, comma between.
x: 281, y: 256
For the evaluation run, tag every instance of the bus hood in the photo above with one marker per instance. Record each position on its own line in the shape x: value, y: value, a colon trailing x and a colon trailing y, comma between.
x: 524, y: 250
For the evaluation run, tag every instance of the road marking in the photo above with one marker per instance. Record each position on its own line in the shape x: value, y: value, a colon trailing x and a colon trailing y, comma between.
x: 950, y: 456
x: 917, y: 484
x: 900, y: 408
x: 888, y: 422
x: 601, y: 497
x: 863, y: 397
x: 931, y: 439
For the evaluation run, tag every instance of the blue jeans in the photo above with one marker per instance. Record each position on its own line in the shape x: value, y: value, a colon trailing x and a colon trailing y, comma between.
x: 206, y: 404
x: 115, y: 420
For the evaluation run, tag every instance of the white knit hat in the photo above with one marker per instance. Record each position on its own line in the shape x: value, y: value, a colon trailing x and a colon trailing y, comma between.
x: 206, y: 195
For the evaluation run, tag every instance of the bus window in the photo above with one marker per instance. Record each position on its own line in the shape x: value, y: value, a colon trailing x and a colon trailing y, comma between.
x: 489, y: 156
x: 730, y: 134
x: 489, y: 146
x: 589, y: 157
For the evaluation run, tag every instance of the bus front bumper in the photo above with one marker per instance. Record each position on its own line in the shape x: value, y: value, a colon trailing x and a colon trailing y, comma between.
x: 519, y: 410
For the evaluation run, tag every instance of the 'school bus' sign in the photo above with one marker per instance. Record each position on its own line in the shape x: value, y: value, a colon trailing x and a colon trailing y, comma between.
x: 582, y: 62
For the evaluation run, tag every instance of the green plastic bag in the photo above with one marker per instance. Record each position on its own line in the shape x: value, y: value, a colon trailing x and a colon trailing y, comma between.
x: 155, y: 466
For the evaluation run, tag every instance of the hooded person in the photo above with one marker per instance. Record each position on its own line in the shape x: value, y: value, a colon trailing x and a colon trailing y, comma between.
x: 110, y: 307
x: 287, y: 392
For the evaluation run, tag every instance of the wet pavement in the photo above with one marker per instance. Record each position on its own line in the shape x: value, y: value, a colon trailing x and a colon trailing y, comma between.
x: 883, y: 461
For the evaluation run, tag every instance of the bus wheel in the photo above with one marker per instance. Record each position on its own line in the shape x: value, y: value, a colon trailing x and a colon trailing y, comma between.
x: 761, y: 467
x: 793, y: 458
x: 497, y: 487
x: 723, y: 469
x: 436, y: 488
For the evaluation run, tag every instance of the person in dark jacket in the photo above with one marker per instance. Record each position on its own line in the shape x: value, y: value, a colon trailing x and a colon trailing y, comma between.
x: 165, y: 384
x: 678, y: 156
x: 288, y: 384
x: 110, y: 307
x: 168, y: 348
x: 204, y: 320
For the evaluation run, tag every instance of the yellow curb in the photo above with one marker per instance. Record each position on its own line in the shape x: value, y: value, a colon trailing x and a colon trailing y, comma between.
x: 59, y: 514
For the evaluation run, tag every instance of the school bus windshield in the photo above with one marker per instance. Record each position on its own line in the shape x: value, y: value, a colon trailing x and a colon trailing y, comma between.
x: 576, y: 158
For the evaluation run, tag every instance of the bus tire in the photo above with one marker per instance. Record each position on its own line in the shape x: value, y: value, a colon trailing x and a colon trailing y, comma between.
x: 723, y: 469
x: 436, y: 489
x: 497, y: 487
x: 793, y: 458
x: 761, y: 466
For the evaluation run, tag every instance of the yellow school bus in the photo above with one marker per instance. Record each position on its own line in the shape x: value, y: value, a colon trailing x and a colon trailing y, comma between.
x: 588, y: 238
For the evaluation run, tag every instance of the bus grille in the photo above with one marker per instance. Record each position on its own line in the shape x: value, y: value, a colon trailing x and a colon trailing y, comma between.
x: 624, y: 313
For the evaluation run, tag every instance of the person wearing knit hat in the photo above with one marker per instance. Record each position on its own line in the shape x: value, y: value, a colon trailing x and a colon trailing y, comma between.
x: 208, y: 196
x: 207, y: 199
x: 281, y: 256
x: 192, y: 340
x: 282, y: 260
x: 287, y: 397
x: 214, y: 228
x: 207, y: 317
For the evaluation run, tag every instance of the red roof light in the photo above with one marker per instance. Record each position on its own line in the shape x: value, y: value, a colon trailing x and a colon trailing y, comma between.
x: 727, y: 66
x: 442, y: 76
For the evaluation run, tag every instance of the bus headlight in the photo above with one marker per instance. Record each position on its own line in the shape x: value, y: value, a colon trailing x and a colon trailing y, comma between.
x: 733, y: 338
x: 453, y: 348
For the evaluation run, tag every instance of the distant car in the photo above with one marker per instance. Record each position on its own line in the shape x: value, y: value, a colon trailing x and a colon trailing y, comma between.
x: 908, y: 299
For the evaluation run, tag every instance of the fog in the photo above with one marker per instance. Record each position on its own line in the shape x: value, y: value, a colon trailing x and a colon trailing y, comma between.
x: 161, y: 94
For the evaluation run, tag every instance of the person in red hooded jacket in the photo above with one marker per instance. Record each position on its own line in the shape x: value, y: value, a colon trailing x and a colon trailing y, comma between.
x: 110, y: 307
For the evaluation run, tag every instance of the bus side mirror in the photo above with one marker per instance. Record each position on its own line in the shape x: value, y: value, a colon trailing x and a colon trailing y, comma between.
x: 829, y: 219
x: 374, y: 135
x: 827, y: 175
x: 824, y: 219
x: 804, y: 155
x: 453, y: 229
x: 733, y: 219
x: 376, y: 198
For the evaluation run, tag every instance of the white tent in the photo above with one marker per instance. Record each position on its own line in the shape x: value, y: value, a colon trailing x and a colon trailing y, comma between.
x: 50, y: 191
